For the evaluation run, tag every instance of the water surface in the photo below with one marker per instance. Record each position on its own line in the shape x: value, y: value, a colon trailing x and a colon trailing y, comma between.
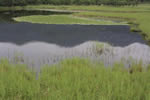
x: 39, y: 44
x: 68, y: 35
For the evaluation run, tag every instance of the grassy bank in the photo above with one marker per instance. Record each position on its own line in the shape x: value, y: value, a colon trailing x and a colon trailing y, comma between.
x: 137, y: 17
x: 139, y: 8
x: 63, y: 19
x: 75, y: 79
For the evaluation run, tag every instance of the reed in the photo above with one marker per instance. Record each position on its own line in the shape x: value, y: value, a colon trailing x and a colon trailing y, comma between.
x: 75, y: 79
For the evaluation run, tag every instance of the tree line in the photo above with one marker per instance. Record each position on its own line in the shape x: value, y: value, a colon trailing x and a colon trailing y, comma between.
x: 70, y: 2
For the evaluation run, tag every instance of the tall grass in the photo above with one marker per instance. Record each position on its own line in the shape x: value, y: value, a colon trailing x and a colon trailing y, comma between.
x: 76, y: 79
x: 16, y: 82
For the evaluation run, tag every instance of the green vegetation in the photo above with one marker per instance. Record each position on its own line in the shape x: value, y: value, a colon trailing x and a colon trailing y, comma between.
x: 16, y: 82
x: 139, y: 8
x: 62, y: 19
x: 75, y: 79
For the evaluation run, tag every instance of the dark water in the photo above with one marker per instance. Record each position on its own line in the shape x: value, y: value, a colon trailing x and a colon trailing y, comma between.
x: 63, y: 35
x: 38, y: 44
x: 67, y: 35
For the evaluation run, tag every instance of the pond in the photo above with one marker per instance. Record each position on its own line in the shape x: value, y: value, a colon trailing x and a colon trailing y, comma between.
x: 39, y: 44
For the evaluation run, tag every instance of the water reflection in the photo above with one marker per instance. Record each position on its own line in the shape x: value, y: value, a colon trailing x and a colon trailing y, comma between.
x: 37, y: 54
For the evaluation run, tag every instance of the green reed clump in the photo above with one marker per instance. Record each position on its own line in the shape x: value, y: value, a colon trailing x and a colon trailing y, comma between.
x: 16, y: 82
x: 75, y: 79
x: 82, y: 80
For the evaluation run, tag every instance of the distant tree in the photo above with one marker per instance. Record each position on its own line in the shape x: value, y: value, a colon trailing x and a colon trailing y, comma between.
x: 68, y: 2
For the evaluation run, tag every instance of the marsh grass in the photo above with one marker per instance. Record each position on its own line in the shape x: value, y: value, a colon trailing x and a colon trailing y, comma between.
x: 16, y: 82
x: 75, y: 79
x: 62, y: 19
x: 139, y: 8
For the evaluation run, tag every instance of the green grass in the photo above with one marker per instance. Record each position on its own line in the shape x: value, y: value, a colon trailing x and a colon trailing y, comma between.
x: 16, y: 82
x: 62, y: 19
x: 141, y: 7
x: 75, y: 79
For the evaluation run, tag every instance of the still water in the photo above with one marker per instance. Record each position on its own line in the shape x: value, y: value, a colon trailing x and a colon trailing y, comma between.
x: 40, y: 44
